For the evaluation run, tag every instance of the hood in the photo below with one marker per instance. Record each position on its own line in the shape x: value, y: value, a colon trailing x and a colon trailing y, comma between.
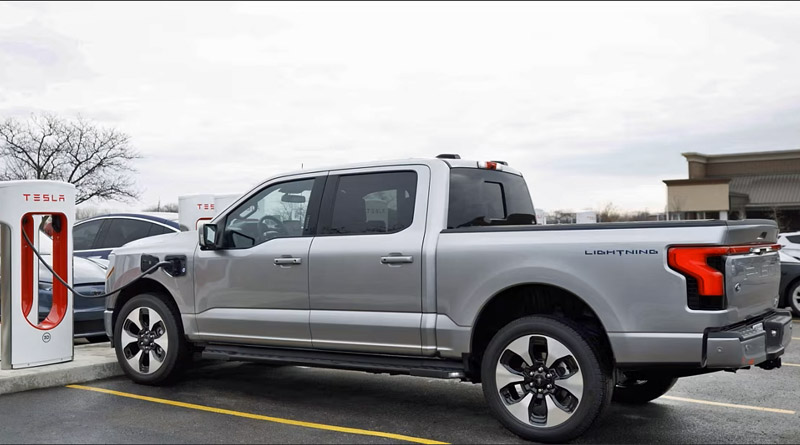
x: 83, y: 271
x: 178, y: 242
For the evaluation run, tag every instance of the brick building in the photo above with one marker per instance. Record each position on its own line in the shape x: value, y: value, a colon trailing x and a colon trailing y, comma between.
x: 737, y: 186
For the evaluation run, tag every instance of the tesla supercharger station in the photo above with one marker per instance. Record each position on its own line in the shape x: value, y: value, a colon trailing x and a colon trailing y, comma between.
x: 194, y: 210
x: 24, y: 340
x: 221, y: 202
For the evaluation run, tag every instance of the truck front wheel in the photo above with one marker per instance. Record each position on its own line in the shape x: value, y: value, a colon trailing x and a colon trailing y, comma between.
x: 543, y: 379
x: 149, y: 342
x: 636, y: 392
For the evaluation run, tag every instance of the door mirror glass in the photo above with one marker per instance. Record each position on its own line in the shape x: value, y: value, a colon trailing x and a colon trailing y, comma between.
x: 208, y: 236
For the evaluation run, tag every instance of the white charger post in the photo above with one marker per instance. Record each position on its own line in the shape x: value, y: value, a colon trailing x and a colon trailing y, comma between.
x: 24, y: 340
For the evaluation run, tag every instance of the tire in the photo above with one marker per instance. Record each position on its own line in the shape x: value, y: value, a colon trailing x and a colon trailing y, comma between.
x: 793, y: 298
x: 639, y: 392
x: 511, y: 380
x: 157, y: 354
x: 97, y: 338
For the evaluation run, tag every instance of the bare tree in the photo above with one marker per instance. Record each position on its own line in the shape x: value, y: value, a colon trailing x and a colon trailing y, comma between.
x: 675, y: 205
x: 561, y: 216
x: 169, y: 207
x: 96, y: 160
x: 609, y: 213
x: 88, y: 212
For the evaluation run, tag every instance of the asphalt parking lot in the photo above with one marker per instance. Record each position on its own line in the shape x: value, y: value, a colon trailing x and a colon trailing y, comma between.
x: 239, y: 402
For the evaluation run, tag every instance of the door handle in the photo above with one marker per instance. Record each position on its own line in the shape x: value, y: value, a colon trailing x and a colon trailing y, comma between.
x: 396, y: 259
x: 287, y: 261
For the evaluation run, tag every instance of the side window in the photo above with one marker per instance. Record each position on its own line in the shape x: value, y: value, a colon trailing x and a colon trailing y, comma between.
x: 83, y: 235
x: 794, y: 239
x: 278, y: 211
x: 373, y: 203
x: 158, y: 229
x: 122, y: 231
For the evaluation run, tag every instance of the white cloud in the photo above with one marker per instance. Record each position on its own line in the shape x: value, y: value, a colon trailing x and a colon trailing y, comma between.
x: 593, y: 102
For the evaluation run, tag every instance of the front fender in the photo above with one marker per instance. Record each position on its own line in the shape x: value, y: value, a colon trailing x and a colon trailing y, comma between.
x: 126, y: 267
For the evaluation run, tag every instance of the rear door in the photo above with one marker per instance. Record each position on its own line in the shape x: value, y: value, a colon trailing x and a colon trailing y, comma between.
x: 365, y: 279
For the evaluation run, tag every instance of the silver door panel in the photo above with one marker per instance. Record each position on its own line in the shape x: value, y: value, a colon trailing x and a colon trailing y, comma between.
x: 277, y: 327
x: 249, y: 278
x: 346, y: 273
x: 380, y: 332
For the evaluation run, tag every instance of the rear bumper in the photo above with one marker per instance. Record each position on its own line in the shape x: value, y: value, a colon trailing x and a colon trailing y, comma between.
x: 755, y: 341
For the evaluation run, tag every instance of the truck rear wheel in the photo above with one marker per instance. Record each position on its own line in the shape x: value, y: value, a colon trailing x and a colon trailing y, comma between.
x: 149, y: 342
x: 642, y: 391
x: 543, y: 379
x: 793, y: 298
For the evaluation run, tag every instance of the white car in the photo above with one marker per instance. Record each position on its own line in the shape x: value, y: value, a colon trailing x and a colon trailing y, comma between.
x: 790, y: 243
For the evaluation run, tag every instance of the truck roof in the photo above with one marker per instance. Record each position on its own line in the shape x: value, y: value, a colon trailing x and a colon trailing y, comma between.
x: 452, y: 163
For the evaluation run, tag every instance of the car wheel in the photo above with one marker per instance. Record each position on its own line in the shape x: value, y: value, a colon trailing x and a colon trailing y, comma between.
x: 543, y: 379
x: 149, y: 341
x: 793, y: 297
x: 638, y: 392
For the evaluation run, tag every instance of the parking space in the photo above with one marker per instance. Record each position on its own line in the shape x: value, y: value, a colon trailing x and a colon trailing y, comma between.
x: 240, y: 402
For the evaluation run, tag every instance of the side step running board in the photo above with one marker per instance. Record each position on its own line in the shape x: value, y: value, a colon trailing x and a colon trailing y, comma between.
x: 422, y: 367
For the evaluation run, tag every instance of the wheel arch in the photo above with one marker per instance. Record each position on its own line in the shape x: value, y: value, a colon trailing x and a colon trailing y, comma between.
x: 144, y: 285
x: 534, y: 298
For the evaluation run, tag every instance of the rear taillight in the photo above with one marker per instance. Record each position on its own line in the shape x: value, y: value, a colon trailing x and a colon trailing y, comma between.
x: 693, y: 261
x: 704, y: 269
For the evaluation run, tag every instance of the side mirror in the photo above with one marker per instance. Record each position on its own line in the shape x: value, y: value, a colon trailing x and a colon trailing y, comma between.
x: 208, y: 237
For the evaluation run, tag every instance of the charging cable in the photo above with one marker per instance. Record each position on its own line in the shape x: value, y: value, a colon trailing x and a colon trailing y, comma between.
x: 147, y: 272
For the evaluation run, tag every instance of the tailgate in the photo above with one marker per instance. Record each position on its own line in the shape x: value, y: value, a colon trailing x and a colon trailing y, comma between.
x: 752, y: 281
x: 740, y: 275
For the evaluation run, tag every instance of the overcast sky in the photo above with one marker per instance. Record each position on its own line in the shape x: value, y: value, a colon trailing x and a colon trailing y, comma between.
x: 592, y: 102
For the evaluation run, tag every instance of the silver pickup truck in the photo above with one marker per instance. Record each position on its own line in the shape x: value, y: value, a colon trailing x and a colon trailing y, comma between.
x: 437, y: 268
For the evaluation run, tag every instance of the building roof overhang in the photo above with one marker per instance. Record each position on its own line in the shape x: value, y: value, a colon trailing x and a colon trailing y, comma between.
x: 704, y: 181
x: 778, y: 155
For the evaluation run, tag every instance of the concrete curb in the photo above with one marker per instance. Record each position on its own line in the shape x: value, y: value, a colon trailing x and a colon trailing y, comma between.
x: 91, y: 362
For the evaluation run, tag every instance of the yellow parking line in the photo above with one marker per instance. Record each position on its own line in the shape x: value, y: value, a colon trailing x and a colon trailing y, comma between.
x: 795, y: 338
x: 790, y: 364
x: 730, y: 405
x: 318, y: 426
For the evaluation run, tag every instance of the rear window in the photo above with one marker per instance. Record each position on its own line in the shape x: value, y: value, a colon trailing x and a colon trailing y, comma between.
x: 156, y: 229
x: 487, y: 198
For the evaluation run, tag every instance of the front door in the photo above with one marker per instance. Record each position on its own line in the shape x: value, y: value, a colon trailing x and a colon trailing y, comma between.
x: 366, y: 268
x: 255, y: 289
